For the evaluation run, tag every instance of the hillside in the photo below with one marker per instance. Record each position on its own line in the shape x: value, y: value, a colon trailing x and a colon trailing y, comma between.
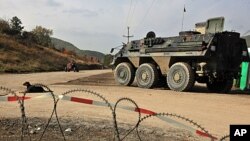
x: 20, y: 56
x: 59, y: 44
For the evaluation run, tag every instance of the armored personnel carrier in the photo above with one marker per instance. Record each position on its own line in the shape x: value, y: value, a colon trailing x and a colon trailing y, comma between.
x: 210, y: 56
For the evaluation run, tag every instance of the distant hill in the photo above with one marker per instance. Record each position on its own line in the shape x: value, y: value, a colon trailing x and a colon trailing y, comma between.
x: 17, y: 55
x: 59, y: 44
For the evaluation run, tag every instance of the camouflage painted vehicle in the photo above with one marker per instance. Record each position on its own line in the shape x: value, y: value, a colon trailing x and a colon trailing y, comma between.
x: 212, y: 57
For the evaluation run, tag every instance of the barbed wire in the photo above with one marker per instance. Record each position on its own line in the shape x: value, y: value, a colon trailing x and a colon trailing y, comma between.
x: 178, y: 117
x: 21, y: 106
x: 224, y: 137
x: 7, y: 90
x: 99, y: 96
x: 115, y: 119
x: 113, y: 108
x: 54, y: 111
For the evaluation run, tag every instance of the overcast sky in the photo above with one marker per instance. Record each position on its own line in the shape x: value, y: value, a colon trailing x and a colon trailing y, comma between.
x: 99, y: 24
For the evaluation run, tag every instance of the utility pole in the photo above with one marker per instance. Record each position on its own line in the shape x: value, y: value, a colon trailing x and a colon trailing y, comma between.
x: 128, y: 36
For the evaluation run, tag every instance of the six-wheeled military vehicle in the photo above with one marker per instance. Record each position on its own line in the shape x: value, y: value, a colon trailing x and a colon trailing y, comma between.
x: 208, y: 55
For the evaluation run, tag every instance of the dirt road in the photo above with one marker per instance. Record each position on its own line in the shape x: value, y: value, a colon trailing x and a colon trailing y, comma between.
x: 213, y: 111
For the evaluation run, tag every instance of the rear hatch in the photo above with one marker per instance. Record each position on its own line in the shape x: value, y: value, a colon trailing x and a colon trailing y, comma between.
x: 231, y: 50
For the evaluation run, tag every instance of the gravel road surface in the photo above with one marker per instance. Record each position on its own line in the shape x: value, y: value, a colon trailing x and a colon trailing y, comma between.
x: 213, y: 111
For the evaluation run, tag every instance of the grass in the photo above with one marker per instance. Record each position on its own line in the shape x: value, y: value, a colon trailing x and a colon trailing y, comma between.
x: 16, y: 57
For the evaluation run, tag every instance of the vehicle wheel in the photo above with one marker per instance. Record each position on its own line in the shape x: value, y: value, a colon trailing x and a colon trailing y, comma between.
x: 223, y: 86
x: 124, y: 74
x: 147, y: 75
x: 180, y: 77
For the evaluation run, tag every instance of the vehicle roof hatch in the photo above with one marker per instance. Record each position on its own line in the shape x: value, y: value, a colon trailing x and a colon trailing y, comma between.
x: 215, y: 25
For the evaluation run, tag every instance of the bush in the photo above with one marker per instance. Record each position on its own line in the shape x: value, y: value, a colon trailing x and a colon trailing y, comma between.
x: 12, y: 28
x: 42, y: 35
x: 4, y: 26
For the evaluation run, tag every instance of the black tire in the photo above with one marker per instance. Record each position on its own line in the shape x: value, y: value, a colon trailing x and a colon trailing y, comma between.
x: 223, y: 86
x: 180, y: 77
x: 150, y: 34
x: 124, y: 74
x: 147, y: 75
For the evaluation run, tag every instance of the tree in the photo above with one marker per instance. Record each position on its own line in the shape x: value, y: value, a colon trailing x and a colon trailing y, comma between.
x: 15, y: 25
x: 28, y: 38
x: 42, y: 35
x: 4, y: 26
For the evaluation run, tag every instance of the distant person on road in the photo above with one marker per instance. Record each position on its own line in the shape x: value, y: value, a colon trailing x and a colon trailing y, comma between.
x: 74, y: 67
x: 71, y: 66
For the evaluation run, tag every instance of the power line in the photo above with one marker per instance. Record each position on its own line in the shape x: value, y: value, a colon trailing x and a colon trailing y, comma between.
x: 129, y: 11
x: 146, y: 14
x: 127, y: 20
x: 132, y: 15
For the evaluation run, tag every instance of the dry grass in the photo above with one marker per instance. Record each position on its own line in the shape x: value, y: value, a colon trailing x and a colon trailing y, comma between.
x: 17, y: 57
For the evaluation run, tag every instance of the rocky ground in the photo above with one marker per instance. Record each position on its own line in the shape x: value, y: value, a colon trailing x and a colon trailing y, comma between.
x: 79, y: 130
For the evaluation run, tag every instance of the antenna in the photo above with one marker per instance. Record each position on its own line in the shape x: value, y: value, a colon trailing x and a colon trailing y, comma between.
x: 215, y: 28
x: 184, y: 10
x: 128, y: 36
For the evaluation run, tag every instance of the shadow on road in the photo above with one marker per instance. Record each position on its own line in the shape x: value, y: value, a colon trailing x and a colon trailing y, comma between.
x: 107, y: 79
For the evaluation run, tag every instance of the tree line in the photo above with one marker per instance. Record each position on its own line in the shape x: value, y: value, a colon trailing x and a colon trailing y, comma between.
x: 39, y: 35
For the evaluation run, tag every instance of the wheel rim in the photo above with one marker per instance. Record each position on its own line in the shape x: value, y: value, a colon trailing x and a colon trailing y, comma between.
x: 178, y: 76
x: 146, y: 75
x: 122, y: 74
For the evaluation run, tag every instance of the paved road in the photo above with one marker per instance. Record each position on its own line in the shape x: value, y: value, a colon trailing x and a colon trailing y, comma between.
x: 15, y: 81
x: 213, y: 111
